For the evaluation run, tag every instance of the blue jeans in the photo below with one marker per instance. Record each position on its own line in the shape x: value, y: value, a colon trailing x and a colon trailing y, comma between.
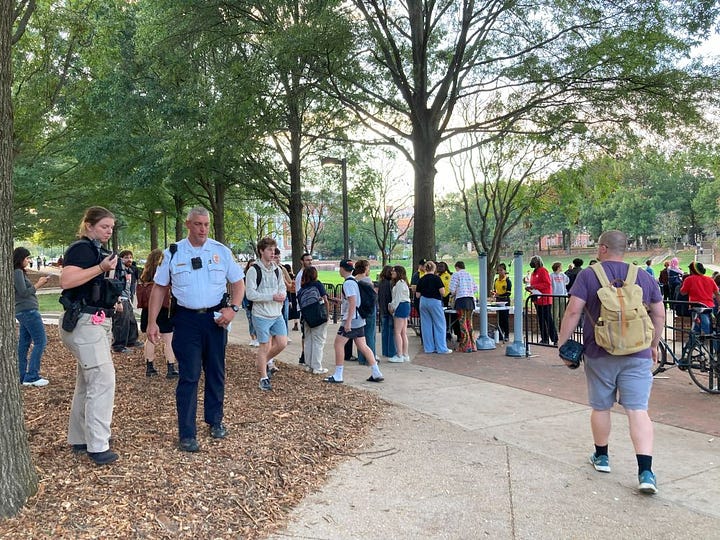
x: 433, y: 325
x: 705, y: 327
x: 388, y: 336
x: 370, y: 330
x: 31, y: 331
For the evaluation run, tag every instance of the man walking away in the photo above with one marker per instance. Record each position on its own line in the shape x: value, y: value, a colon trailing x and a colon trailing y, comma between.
x: 609, y: 377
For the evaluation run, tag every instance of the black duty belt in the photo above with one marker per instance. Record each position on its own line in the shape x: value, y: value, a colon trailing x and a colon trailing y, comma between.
x: 109, y: 312
x: 201, y: 310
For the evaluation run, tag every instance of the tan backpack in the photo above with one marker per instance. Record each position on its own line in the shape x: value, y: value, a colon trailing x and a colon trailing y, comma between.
x: 624, y: 326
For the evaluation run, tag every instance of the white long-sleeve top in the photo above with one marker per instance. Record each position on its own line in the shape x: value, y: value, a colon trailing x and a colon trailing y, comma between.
x: 400, y: 293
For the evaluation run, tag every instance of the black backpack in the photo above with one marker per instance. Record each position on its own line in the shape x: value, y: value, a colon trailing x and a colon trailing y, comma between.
x: 368, y: 299
x: 312, y: 306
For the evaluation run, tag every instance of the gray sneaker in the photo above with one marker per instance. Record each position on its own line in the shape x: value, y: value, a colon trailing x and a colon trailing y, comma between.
x: 265, y: 385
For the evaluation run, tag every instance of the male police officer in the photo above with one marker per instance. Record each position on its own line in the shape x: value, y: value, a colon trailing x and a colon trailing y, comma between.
x: 198, y: 272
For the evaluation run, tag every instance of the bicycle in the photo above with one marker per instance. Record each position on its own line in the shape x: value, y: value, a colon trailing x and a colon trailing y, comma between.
x: 699, y: 356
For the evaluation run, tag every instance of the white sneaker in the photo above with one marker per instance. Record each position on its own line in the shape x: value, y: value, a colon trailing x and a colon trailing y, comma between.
x: 322, y: 371
x: 396, y: 359
x: 254, y: 343
x: 406, y: 358
x: 39, y: 382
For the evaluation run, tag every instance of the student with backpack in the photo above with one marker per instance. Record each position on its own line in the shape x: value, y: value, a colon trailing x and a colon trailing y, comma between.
x: 267, y: 292
x: 313, y: 303
x: 369, y: 297
x: 618, y: 374
x: 352, y: 327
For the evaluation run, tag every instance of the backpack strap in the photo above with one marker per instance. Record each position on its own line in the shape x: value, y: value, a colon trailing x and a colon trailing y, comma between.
x: 604, y: 282
x: 258, y: 276
x: 632, y: 274
x: 601, y: 274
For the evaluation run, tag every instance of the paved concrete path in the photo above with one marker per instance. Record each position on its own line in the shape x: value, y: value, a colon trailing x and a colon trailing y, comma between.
x: 455, y: 456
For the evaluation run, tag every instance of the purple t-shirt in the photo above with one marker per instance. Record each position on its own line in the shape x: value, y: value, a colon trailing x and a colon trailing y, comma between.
x: 586, y: 286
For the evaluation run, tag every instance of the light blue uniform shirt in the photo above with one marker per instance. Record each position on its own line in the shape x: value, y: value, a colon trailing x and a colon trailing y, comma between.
x: 204, y: 287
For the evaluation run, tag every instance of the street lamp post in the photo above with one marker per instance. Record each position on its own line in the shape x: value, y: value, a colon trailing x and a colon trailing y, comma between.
x: 324, y: 161
x: 158, y: 212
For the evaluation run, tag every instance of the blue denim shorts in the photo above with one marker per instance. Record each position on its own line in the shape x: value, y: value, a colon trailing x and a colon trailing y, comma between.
x: 402, y: 311
x: 266, y: 328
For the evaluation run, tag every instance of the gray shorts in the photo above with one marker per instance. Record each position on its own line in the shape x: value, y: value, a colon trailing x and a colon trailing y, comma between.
x: 625, y: 379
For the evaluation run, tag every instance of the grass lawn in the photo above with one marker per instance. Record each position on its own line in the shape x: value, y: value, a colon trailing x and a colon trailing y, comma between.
x: 49, y: 302
x: 472, y: 264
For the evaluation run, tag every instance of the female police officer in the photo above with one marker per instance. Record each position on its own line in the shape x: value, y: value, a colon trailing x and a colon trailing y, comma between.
x: 82, y: 280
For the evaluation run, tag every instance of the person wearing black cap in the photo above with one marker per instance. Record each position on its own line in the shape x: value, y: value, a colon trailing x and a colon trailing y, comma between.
x: 701, y: 289
x: 352, y: 327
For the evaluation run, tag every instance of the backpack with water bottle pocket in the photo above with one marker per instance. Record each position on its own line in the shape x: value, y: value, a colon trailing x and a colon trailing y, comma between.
x: 624, y: 326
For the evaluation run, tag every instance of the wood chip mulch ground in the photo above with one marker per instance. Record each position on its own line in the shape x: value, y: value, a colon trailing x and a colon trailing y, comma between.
x: 280, y: 447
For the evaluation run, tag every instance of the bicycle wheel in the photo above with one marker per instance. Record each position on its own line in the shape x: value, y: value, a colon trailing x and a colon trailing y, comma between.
x: 662, y: 358
x: 704, y: 369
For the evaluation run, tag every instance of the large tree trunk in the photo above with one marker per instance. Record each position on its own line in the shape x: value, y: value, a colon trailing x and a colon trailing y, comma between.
x: 295, y: 205
x: 296, y: 214
x: 18, y: 480
x: 424, y: 229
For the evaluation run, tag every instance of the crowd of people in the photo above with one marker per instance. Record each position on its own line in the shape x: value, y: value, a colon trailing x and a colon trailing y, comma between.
x: 190, y: 294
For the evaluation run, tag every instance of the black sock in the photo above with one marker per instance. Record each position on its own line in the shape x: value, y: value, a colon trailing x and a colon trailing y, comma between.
x: 644, y: 463
x: 601, y: 450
